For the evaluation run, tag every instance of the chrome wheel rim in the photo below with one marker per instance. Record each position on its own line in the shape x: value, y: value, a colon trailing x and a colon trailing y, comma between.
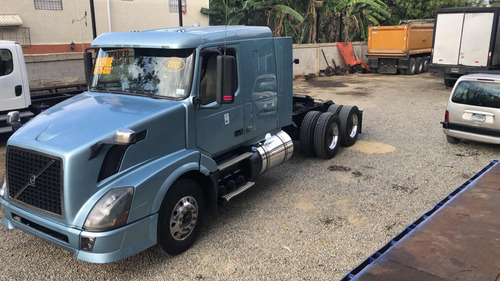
x: 354, y: 126
x: 184, y: 217
x: 333, y: 136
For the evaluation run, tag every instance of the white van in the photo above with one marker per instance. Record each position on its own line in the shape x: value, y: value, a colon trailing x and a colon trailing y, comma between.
x: 473, y: 110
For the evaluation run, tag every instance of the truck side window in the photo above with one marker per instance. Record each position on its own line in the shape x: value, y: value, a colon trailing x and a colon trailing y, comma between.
x: 209, y: 78
x: 208, y: 81
x: 6, y: 65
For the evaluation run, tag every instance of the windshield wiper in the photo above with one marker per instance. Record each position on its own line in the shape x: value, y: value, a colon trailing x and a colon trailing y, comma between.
x: 100, y: 89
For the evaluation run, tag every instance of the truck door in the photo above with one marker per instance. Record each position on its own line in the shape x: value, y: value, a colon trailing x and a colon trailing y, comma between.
x: 12, y: 92
x: 447, y: 38
x: 222, y: 128
x: 476, y: 37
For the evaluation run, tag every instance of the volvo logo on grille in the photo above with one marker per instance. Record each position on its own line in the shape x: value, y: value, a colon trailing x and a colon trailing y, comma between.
x: 32, y: 180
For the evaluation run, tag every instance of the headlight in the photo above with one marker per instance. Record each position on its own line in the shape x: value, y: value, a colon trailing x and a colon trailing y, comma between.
x: 111, y: 211
x: 3, y: 186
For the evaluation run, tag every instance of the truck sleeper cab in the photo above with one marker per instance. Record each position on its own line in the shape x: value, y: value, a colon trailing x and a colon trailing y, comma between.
x: 185, y: 119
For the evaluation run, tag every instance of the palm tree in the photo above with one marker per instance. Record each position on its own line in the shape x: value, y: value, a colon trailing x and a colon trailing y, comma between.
x: 273, y: 13
x: 357, y: 15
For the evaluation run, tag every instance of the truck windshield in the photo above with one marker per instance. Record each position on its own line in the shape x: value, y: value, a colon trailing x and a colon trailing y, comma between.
x: 139, y: 71
x: 478, y: 93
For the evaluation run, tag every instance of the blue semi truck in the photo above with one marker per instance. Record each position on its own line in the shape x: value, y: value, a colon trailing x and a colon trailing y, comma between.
x: 174, y: 122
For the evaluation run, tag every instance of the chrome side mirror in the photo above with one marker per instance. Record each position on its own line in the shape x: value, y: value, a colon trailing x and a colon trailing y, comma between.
x: 14, y: 120
x: 124, y: 136
x: 12, y: 117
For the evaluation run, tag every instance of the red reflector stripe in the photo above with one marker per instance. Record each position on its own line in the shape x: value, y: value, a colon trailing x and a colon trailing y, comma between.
x: 228, y: 98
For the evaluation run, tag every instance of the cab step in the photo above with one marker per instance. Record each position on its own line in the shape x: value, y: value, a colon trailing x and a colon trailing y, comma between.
x: 237, y: 191
x: 234, y: 160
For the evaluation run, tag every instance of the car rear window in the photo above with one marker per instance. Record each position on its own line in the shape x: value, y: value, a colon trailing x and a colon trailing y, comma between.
x: 478, y: 93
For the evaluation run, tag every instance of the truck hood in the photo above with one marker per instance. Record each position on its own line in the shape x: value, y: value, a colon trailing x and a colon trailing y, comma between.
x: 85, y: 119
x: 69, y: 129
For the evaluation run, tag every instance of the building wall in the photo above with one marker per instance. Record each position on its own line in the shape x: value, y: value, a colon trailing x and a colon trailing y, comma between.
x: 312, y: 60
x: 53, y: 31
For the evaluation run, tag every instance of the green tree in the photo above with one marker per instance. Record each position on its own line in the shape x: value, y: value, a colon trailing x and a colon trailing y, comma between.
x: 422, y: 9
x: 273, y: 13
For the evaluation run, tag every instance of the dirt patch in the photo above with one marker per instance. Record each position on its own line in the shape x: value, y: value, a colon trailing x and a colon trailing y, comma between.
x: 404, y: 188
x: 372, y: 147
x: 336, y: 168
x: 305, y: 204
x: 353, y: 93
x: 326, y: 83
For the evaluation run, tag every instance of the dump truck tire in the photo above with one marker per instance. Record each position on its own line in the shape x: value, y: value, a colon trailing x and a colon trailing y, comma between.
x: 412, y: 67
x: 419, y: 65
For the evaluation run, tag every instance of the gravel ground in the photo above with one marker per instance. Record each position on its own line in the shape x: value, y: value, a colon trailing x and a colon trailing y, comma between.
x: 308, y: 219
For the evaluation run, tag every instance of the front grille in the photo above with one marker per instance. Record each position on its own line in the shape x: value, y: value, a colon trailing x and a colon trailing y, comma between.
x: 35, y: 179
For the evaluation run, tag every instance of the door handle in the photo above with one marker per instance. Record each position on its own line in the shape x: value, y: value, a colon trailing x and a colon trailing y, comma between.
x: 18, y: 90
x: 238, y: 133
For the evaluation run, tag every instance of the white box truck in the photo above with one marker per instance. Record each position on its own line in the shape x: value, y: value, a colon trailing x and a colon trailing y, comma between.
x: 465, y: 41
x: 15, y: 93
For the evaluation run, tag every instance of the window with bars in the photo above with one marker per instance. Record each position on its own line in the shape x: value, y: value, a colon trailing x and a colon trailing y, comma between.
x: 48, y: 5
x: 173, y: 6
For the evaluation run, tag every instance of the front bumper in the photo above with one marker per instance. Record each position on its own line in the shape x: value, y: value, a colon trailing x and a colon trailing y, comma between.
x: 109, y: 246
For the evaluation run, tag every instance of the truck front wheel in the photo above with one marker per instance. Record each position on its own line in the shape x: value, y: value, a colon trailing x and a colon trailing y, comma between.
x: 181, y: 217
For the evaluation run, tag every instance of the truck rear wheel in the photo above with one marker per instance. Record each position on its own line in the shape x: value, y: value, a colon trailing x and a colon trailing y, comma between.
x: 326, y: 135
x: 335, y: 108
x: 349, y: 124
x: 412, y: 67
x: 180, y: 217
x: 306, y: 134
x: 425, y: 64
x: 419, y: 63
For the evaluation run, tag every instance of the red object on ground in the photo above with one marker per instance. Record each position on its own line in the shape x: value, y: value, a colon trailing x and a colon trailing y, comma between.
x: 347, y: 52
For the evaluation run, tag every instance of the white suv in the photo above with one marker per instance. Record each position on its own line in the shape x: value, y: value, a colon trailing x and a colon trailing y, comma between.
x: 473, y: 110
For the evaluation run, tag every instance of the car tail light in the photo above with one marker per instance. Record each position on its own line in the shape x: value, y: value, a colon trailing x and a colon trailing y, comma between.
x: 446, y: 116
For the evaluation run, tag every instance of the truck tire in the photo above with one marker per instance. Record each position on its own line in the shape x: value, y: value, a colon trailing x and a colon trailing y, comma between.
x: 180, y: 217
x: 349, y: 125
x: 412, y: 67
x: 334, y: 108
x: 419, y: 64
x: 306, y: 134
x: 426, y: 64
x: 327, y: 135
x: 452, y: 140
x: 449, y: 82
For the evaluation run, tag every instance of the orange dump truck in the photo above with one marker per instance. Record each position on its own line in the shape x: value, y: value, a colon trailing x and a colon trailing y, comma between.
x: 404, y: 48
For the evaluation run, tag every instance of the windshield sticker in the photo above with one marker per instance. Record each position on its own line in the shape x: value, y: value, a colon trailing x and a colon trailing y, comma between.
x: 174, y: 64
x: 179, y: 92
x: 103, y: 66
